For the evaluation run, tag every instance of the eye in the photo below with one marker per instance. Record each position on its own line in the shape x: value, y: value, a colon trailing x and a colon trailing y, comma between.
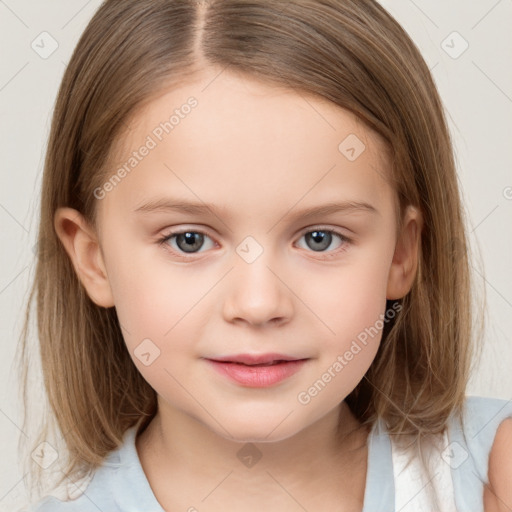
x: 190, y: 241
x: 319, y: 239
x: 185, y: 241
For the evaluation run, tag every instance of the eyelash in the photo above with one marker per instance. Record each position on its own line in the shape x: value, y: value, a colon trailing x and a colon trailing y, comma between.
x: 331, y: 254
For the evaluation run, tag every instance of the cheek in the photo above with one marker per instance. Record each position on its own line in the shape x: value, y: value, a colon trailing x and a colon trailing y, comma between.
x: 167, y: 304
x: 351, y: 301
x: 151, y: 295
x: 352, y: 305
x: 351, y: 298
x: 159, y: 310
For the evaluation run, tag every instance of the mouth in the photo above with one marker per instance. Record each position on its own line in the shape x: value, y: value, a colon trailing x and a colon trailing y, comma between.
x: 255, y: 373
x: 260, y: 364
x: 257, y: 359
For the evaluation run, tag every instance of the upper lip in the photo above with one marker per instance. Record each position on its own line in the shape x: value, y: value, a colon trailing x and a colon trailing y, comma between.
x: 252, y: 359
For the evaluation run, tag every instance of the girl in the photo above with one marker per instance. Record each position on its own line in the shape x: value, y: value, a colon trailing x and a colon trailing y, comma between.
x: 252, y: 286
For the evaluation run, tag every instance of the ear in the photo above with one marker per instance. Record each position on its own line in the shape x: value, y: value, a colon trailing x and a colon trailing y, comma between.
x: 405, y: 259
x: 82, y: 246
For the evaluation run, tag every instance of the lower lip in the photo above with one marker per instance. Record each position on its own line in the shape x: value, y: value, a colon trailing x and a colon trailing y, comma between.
x: 258, y: 376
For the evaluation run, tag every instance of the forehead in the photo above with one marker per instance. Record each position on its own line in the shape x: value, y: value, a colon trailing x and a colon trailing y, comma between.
x: 225, y: 138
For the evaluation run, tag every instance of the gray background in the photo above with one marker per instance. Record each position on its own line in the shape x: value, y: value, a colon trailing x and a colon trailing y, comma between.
x: 476, y: 88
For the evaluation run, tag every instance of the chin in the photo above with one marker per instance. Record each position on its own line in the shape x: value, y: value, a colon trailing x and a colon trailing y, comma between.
x: 264, y: 432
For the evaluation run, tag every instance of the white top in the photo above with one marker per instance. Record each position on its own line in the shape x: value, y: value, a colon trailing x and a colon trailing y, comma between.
x: 411, y: 483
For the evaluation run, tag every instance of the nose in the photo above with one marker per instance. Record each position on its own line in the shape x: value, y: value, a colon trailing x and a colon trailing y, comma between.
x: 257, y: 294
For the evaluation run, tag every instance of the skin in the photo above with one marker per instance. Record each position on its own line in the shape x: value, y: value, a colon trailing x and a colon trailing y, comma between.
x: 260, y: 154
x: 498, y: 492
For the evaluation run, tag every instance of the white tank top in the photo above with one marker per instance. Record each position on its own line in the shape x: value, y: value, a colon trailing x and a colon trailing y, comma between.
x: 412, y: 483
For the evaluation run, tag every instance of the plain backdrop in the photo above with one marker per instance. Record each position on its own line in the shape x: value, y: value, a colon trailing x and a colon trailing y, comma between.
x: 467, y: 45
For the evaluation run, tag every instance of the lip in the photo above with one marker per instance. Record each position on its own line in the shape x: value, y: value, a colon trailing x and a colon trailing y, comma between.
x: 252, y: 376
x: 252, y: 359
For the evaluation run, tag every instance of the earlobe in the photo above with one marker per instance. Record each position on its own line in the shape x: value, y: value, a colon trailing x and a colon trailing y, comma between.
x: 83, y: 249
x: 405, y: 259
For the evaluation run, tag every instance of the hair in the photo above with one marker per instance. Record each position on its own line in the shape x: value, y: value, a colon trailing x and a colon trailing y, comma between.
x: 350, y: 52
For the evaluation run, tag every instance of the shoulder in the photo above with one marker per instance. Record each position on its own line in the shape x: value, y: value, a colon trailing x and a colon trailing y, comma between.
x: 53, y: 504
x: 482, y: 410
x: 498, y: 496
x: 471, y: 440
x: 482, y: 416
x: 117, y: 485
x: 94, y: 497
x: 488, y: 432
x: 88, y: 495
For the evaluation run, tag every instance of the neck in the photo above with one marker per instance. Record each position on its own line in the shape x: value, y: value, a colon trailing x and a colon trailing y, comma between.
x: 327, y: 456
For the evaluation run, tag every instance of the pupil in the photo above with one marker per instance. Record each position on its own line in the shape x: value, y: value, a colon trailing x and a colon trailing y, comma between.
x: 320, y: 237
x: 193, y: 241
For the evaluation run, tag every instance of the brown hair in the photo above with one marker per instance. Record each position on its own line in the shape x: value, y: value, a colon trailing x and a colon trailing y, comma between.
x: 351, y: 52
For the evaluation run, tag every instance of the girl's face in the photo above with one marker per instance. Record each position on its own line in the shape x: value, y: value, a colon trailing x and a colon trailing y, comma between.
x: 269, y: 264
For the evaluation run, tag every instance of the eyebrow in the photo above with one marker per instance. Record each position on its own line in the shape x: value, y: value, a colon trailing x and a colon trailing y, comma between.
x: 195, y: 208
